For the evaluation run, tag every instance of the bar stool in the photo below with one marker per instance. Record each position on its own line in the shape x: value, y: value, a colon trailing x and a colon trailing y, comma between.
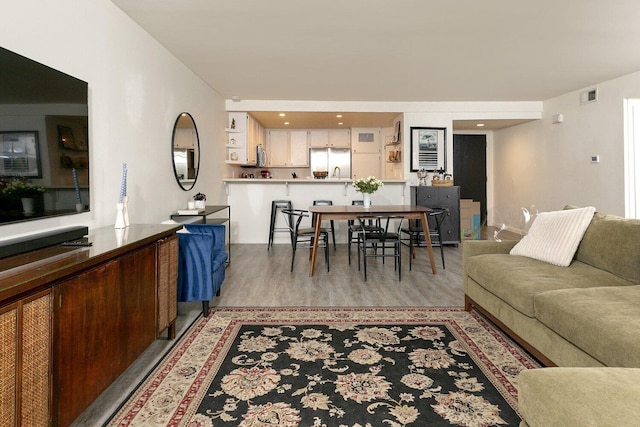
x: 313, y: 219
x: 275, y: 205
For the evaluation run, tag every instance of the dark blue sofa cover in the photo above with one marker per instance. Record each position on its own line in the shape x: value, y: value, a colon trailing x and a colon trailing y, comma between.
x: 202, y: 259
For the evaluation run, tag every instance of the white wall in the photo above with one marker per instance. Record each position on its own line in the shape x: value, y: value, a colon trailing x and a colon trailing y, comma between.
x: 414, y: 114
x: 136, y: 91
x: 549, y: 165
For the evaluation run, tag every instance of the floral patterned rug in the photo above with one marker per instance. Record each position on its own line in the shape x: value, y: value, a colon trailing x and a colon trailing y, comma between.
x: 333, y: 367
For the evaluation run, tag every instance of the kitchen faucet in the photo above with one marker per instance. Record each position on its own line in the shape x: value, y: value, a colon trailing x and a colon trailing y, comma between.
x: 336, y: 169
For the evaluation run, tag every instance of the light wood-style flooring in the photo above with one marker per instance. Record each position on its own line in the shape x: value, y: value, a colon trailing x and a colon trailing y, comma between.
x: 257, y: 277
x: 260, y: 278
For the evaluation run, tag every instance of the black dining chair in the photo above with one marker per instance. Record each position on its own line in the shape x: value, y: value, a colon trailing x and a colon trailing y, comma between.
x: 416, y: 233
x: 354, y: 229
x: 374, y: 243
x: 304, y: 235
x: 313, y: 219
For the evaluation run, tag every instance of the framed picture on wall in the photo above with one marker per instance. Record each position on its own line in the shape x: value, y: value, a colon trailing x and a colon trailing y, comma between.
x: 20, y: 154
x: 428, y: 148
x: 65, y: 137
x: 396, y: 133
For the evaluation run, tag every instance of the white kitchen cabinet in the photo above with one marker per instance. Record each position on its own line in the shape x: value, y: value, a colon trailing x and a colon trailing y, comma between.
x: 277, y: 147
x: 330, y: 138
x: 339, y: 138
x: 298, y: 149
x: 287, y: 148
x: 244, y: 134
x: 319, y: 138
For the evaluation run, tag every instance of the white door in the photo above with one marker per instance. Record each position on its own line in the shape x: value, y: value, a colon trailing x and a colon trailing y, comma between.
x: 632, y: 158
x: 365, y: 164
x: 365, y: 140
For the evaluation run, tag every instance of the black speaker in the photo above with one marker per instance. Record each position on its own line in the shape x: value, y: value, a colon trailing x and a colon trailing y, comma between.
x: 41, y: 240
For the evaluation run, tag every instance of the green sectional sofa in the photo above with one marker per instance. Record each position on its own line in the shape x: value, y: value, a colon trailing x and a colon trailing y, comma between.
x: 586, y: 315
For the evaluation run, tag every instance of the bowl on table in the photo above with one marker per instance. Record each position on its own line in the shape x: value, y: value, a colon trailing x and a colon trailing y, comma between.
x: 320, y: 174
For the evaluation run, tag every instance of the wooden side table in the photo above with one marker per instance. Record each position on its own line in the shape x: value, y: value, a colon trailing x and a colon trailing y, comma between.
x: 203, y: 218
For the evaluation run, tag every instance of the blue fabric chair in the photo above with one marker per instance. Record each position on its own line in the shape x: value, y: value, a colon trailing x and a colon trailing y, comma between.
x: 202, y: 259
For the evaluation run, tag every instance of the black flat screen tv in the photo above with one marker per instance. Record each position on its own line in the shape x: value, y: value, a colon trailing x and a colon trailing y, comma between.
x: 44, y: 141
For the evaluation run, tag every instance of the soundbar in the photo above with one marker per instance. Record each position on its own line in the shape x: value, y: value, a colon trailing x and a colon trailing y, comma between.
x: 41, y: 240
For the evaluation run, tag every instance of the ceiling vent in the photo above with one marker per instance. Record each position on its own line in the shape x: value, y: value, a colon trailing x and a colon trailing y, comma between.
x: 589, y: 96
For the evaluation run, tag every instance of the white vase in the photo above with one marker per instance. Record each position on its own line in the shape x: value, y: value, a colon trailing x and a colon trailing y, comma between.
x: 367, y: 200
x: 119, y: 216
x: 125, y: 210
x: 27, y: 205
x: 121, y: 236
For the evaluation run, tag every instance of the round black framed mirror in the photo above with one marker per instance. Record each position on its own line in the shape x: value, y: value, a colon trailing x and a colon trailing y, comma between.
x: 185, y: 151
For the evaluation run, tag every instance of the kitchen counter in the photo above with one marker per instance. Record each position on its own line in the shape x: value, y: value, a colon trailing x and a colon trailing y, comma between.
x: 250, y: 200
x: 305, y: 180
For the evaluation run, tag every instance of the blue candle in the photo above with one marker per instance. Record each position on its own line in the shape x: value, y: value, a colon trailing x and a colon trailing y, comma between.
x: 123, y: 186
x: 76, y: 186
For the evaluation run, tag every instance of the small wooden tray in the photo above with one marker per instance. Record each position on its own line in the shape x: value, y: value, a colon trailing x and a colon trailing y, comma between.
x: 448, y: 182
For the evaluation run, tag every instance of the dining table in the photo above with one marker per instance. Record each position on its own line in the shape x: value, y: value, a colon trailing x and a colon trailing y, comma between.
x: 352, y: 212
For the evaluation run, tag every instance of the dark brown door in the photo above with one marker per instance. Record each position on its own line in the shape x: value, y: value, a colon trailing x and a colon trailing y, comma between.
x: 470, y: 169
x: 105, y: 318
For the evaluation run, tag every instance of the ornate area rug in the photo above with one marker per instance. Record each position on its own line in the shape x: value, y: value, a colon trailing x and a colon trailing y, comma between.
x: 333, y: 367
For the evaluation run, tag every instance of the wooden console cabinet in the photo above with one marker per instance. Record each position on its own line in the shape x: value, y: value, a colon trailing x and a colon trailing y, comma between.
x: 73, y: 319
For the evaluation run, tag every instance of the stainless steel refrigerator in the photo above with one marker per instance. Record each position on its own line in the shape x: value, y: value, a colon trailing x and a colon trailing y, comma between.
x: 336, y: 161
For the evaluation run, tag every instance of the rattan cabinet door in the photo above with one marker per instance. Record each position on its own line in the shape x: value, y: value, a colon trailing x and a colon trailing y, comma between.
x: 8, y: 365
x: 167, y: 285
x: 36, y: 361
x: 25, y: 361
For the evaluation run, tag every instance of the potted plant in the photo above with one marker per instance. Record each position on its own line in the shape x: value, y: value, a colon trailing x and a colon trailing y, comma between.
x: 200, y: 198
x: 367, y: 186
x: 24, y: 190
x: 21, y: 188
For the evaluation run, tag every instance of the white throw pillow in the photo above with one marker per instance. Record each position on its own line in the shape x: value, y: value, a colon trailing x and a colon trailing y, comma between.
x: 554, y: 236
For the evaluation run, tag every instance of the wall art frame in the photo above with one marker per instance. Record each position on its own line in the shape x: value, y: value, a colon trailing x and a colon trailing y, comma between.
x: 397, y: 133
x: 20, y: 152
x: 428, y: 148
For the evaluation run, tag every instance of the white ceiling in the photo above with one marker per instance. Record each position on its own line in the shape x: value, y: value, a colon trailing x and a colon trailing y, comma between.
x: 320, y: 120
x: 396, y: 50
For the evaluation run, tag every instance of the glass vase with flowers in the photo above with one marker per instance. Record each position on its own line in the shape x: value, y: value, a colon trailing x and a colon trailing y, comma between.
x: 367, y: 186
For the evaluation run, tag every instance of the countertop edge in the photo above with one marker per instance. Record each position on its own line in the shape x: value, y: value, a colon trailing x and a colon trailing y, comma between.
x: 304, y: 181
x: 53, y: 264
